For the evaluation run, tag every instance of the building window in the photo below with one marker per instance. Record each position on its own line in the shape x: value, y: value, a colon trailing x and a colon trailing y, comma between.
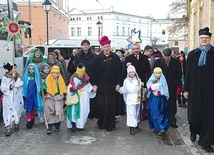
x: 78, y: 31
x: 123, y: 31
x: 117, y: 29
x: 88, y: 18
x: 72, y: 31
x: 163, y: 32
x: 100, y: 18
x: 176, y: 43
x: 58, y: 33
x: 89, y: 31
x: 79, y: 18
x: 128, y: 31
x: 51, y: 32
x: 117, y: 17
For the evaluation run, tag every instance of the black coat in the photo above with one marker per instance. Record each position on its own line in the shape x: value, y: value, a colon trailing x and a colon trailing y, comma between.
x: 200, y: 85
x: 108, y: 73
x: 172, y: 73
x: 142, y: 66
x: 88, y: 61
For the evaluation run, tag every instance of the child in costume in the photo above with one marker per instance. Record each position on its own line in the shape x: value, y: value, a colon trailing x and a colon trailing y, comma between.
x: 12, y: 103
x: 158, y: 95
x: 44, y: 71
x: 55, y: 90
x: 130, y: 89
x: 77, y: 114
x: 31, y: 92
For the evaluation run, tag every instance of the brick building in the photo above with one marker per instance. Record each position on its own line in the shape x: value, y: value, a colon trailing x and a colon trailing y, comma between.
x: 58, y: 21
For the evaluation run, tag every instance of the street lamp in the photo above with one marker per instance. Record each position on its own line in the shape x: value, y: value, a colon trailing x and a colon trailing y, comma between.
x: 47, y: 6
x: 99, y: 24
x: 102, y: 13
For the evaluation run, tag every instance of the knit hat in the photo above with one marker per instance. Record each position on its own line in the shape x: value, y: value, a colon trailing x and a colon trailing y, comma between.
x: 55, y: 69
x: 157, y: 70
x: 104, y: 40
x: 167, y: 52
x: 85, y: 41
x: 205, y: 31
x: 9, y: 66
x: 80, y: 69
x: 130, y: 68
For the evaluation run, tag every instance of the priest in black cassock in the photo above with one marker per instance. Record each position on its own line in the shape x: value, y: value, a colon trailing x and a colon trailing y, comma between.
x: 107, y: 81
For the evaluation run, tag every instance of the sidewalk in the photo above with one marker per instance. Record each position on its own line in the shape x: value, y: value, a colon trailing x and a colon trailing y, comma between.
x: 183, y: 131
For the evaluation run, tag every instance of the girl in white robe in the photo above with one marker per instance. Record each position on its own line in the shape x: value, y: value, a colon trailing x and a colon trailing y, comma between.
x: 130, y: 90
x: 79, y: 84
x: 11, y: 87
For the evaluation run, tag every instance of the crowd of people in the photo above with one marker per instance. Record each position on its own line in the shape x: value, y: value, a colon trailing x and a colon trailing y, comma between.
x: 108, y: 84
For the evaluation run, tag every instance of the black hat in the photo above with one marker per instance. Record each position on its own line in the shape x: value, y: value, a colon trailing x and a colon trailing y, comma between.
x: 167, y: 52
x: 205, y: 31
x: 85, y: 41
x: 9, y: 66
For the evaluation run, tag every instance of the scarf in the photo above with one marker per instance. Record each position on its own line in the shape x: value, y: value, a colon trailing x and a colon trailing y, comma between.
x: 203, y: 55
x: 83, y: 81
x: 52, y: 85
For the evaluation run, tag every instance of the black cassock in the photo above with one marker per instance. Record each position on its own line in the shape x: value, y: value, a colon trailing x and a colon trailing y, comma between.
x: 108, y: 74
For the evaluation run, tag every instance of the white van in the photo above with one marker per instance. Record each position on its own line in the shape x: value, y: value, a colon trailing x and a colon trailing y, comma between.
x: 66, y: 51
x: 64, y: 45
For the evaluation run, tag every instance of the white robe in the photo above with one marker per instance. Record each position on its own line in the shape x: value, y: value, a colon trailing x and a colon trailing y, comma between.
x: 12, y: 100
x: 84, y: 94
x: 130, y: 90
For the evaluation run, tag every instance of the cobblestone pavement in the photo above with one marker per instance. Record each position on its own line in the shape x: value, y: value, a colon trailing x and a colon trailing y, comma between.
x: 93, y: 141
x: 184, y: 133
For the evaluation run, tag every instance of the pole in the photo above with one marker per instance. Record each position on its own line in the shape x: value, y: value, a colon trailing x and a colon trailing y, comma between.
x: 47, y: 27
x: 98, y: 33
x: 29, y: 18
x: 102, y: 15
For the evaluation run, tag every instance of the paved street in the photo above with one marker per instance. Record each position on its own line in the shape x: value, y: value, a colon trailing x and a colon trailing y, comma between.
x: 93, y: 141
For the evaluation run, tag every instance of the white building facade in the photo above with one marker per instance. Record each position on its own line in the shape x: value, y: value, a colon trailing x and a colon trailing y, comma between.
x: 117, y: 26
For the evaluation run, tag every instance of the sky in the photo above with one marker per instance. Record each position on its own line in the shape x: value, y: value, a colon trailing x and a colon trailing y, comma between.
x: 156, y: 8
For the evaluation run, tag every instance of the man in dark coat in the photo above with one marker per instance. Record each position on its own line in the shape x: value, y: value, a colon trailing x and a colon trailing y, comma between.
x: 172, y: 71
x: 87, y: 58
x: 140, y: 62
x: 108, y: 79
x: 199, y: 90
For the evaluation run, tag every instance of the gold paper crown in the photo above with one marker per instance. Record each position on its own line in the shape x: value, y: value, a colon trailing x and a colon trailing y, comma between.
x: 80, y: 69
x: 55, y: 69
x: 157, y: 70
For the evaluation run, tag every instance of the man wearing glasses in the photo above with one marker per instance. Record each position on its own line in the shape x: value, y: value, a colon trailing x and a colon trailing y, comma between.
x: 199, y: 90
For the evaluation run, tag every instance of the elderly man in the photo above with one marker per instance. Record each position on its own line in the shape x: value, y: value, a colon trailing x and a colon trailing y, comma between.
x: 172, y: 71
x: 199, y: 90
x: 107, y: 78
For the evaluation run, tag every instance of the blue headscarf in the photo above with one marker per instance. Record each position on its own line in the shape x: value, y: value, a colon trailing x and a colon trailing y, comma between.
x: 203, y: 55
x: 38, y: 84
x: 163, y: 85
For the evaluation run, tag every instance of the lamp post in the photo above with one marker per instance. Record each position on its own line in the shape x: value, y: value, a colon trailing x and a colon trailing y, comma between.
x: 102, y: 14
x: 99, y: 24
x: 47, y: 6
